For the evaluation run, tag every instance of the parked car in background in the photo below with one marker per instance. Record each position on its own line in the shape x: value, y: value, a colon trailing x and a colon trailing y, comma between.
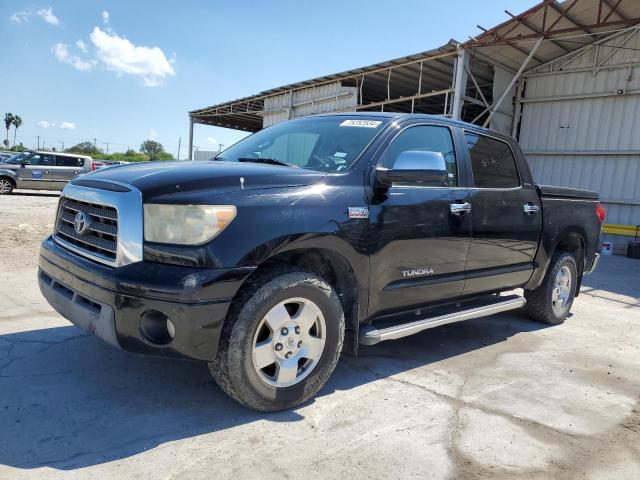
x: 15, y: 155
x: 4, y: 155
x: 42, y: 170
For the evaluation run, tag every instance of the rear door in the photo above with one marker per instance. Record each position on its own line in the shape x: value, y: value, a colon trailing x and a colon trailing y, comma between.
x: 418, y: 247
x: 506, y: 217
x: 66, y: 169
x: 37, y: 173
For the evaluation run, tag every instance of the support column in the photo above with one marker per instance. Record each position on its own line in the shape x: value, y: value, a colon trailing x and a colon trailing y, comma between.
x: 190, y: 139
x: 460, y: 84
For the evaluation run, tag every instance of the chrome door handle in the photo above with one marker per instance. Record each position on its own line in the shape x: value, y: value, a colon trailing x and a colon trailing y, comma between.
x: 459, y: 208
x: 531, y: 209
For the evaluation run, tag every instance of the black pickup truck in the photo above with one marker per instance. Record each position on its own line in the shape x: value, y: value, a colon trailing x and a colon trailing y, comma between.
x: 309, y: 238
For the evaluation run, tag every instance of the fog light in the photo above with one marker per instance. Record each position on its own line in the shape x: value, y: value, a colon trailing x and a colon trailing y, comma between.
x: 157, y: 327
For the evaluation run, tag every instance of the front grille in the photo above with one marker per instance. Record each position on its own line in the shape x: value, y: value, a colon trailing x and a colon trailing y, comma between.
x: 101, y: 236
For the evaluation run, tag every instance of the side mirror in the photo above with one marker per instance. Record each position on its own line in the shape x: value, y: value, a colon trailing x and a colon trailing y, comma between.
x: 415, y: 166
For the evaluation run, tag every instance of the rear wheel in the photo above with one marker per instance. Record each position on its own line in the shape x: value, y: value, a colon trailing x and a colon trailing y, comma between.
x: 551, y: 302
x: 6, y: 186
x: 281, y: 342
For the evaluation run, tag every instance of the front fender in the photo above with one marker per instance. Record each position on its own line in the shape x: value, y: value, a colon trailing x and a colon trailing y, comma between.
x: 5, y: 172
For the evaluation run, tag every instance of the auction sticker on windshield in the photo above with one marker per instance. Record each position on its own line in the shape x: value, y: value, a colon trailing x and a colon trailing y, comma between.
x: 361, y: 123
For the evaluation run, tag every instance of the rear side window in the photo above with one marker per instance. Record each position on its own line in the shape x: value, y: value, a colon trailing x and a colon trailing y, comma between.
x: 425, y: 138
x: 69, y: 162
x: 492, y: 162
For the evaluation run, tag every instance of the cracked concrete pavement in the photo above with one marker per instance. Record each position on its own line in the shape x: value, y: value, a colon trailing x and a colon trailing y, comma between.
x: 498, y: 397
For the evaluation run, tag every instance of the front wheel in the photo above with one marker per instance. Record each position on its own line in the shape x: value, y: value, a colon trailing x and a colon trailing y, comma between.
x: 551, y: 302
x: 281, y: 342
x: 6, y: 186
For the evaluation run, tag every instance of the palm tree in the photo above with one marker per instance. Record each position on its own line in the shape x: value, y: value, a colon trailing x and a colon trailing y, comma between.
x: 17, y: 121
x: 8, y: 121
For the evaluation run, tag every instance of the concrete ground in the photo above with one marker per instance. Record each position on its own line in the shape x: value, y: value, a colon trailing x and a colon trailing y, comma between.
x: 499, y: 397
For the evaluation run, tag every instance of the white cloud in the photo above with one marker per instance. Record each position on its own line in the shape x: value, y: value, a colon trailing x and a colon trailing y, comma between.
x: 105, y: 17
x: 212, y: 141
x: 152, y: 134
x: 45, y: 124
x: 81, y: 45
x: 61, y: 52
x: 48, y: 16
x: 21, y: 17
x: 120, y: 55
x: 68, y: 125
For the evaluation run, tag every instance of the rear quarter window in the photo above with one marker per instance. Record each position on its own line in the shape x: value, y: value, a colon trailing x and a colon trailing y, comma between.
x: 492, y: 162
x: 69, y: 162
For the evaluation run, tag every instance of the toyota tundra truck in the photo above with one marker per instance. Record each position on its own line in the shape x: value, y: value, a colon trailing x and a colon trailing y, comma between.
x: 310, y: 238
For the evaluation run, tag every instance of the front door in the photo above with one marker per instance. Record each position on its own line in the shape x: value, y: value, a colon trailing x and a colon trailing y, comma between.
x: 36, y: 172
x: 418, y: 247
x: 506, y: 225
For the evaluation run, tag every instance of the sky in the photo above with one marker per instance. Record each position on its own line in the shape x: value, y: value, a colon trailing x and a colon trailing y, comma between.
x: 121, y: 72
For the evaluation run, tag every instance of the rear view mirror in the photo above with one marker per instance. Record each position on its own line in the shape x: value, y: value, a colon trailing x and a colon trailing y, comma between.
x: 415, y: 166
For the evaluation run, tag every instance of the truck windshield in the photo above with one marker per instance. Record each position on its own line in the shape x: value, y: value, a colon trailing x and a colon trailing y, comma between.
x: 328, y: 144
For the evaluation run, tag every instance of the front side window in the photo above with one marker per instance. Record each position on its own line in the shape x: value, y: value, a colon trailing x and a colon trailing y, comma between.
x: 330, y: 144
x: 425, y: 138
x: 41, y: 160
x: 492, y: 162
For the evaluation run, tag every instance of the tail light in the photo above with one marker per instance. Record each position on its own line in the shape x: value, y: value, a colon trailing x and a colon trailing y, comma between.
x: 600, y: 212
x: 93, y: 168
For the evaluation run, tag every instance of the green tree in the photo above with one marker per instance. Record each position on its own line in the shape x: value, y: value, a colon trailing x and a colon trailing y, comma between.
x: 17, y: 122
x: 8, y: 121
x: 154, y: 150
x: 84, y: 148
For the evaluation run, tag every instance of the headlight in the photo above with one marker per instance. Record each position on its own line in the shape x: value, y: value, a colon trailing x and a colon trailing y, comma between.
x: 185, y: 224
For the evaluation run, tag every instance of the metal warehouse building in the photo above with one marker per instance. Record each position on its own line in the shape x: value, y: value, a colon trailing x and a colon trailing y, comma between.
x: 562, y: 78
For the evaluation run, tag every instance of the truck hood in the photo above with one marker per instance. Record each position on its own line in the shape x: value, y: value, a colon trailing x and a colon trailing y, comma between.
x: 163, y: 178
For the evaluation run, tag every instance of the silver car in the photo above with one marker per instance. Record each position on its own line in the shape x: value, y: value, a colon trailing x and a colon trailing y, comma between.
x: 42, y: 171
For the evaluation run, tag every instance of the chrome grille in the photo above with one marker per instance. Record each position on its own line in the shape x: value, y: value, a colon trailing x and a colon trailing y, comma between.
x: 100, y: 238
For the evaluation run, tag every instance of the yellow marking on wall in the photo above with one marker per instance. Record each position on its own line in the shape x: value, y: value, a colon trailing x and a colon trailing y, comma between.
x: 628, y: 230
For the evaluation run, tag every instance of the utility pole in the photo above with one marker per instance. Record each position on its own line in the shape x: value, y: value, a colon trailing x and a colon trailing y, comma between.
x: 43, y: 144
x: 38, y: 142
x: 61, y: 146
x: 94, y: 143
x: 179, y: 143
x: 107, y: 144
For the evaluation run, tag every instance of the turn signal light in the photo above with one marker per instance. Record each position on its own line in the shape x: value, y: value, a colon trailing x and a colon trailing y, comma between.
x: 600, y: 212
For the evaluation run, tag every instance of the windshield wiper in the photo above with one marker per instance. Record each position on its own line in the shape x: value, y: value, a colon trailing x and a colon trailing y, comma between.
x: 270, y: 161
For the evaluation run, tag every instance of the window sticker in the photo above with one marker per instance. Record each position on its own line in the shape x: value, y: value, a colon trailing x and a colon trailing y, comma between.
x: 340, y: 154
x: 36, y: 173
x: 361, y: 123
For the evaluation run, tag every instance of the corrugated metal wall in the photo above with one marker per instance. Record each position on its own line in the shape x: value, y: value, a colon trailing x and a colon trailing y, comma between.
x: 591, y: 142
x: 502, y: 119
x: 324, y: 98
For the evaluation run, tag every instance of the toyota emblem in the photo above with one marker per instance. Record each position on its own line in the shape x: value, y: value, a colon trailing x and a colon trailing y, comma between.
x: 81, y: 223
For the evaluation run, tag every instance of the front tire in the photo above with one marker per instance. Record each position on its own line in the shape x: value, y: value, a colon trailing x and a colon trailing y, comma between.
x: 280, y: 343
x: 6, y: 186
x: 551, y: 302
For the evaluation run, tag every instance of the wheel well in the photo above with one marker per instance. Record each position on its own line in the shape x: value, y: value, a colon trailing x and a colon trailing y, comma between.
x: 573, y: 243
x: 330, y: 266
x: 13, y: 182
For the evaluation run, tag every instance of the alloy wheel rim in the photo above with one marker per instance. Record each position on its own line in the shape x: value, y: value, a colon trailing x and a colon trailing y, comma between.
x: 289, y: 342
x: 5, y: 186
x: 561, y: 289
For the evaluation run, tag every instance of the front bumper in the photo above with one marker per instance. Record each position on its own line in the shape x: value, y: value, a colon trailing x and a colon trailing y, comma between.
x: 110, y: 302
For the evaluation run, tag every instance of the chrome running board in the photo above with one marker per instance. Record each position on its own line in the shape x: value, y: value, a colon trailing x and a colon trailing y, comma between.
x: 371, y: 335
